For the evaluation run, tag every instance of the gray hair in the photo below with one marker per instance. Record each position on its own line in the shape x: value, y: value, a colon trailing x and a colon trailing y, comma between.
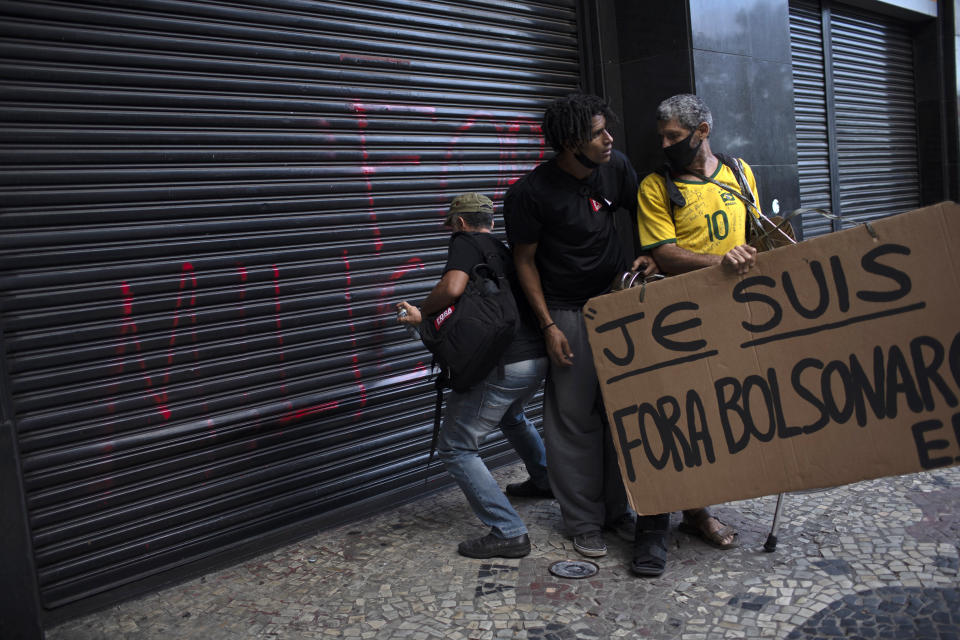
x: 688, y: 109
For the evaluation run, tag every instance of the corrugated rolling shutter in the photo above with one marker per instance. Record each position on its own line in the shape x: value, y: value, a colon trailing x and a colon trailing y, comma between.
x: 869, y: 86
x: 208, y: 212
x: 810, y: 109
x: 876, y: 117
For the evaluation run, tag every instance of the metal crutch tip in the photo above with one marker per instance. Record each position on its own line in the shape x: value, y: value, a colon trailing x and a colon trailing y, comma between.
x: 771, y: 544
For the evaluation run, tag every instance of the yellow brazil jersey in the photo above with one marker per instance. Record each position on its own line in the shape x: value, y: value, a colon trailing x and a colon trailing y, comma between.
x: 712, y: 222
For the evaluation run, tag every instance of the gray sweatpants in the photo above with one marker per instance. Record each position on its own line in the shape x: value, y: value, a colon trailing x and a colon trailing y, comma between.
x: 581, y: 460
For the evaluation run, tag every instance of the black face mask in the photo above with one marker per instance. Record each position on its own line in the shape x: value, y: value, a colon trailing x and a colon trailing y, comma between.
x: 680, y: 154
x: 585, y: 161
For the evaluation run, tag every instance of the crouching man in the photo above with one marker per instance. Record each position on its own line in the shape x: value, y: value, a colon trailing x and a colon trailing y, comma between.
x: 496, y: 402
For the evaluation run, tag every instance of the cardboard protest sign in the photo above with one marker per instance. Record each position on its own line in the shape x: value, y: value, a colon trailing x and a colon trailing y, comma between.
x: 832, y: 361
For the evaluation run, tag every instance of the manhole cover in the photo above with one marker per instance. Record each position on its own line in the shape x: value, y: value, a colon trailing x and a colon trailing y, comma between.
x: 574, y: 569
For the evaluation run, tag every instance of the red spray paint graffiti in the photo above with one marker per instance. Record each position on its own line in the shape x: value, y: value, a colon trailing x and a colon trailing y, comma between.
x: 157, y: 391
x: 513, y: 137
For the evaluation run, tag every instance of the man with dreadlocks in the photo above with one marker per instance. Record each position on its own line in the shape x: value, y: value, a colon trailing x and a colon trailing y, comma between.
x: 560, y: 220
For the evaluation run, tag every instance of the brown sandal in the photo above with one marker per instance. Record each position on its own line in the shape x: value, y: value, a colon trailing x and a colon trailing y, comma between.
x: 714, y: 537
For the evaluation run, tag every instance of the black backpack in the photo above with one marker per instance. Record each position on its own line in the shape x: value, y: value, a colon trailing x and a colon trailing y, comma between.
x: 469, y: 338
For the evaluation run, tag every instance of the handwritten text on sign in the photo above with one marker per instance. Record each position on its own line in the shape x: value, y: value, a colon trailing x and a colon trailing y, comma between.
x: 833, y: 361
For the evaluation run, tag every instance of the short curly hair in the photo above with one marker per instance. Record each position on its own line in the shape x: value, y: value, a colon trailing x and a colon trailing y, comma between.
x: 688, y: 109
x: 567, y: 122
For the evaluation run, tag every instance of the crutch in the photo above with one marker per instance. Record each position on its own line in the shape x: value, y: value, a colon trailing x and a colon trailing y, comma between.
x: 771, y: 544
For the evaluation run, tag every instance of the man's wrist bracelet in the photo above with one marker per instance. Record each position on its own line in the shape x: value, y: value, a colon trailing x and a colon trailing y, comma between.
x: 544, y: 328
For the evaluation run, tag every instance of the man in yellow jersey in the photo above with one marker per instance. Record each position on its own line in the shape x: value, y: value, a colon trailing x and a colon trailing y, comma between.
x: 692, y: 214
x: 710, y: 225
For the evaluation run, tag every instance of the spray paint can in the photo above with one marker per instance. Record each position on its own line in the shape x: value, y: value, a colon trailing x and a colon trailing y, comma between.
x: 411, y: 329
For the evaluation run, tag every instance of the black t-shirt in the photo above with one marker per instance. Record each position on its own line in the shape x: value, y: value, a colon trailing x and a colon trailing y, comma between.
x: 462, y: 255
x: 579, y: 251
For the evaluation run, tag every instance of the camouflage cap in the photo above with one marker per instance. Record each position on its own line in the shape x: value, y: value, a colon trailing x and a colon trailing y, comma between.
x: 468, y: 203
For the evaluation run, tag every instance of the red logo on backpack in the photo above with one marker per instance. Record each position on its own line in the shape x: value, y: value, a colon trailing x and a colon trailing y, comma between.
x: 596, y: 206
x: 442, y: 316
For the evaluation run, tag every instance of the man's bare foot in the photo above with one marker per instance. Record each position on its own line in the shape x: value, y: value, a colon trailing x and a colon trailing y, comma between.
x: 699, y: 522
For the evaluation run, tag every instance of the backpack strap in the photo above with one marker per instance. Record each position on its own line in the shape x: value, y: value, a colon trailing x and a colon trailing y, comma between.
x: 440, y: 382
x: 497, y: 264
x: 676, y: 198
x: 736, y: 167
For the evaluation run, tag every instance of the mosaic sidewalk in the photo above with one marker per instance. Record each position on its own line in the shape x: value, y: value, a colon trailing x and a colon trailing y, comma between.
x: 877, y: 559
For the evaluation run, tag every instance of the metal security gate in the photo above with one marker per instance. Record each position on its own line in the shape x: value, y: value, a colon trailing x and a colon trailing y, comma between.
x: 208, y: 212
x: 856, y: 112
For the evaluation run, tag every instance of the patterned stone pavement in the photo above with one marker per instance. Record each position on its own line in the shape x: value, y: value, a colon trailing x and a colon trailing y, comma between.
x: 878, y: 559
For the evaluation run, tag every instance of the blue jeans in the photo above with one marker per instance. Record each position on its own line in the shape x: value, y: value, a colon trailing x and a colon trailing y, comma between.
x: 471, y: 416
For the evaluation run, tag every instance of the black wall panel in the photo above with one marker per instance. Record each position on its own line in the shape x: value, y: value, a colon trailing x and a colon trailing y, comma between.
x: 208, y: 210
